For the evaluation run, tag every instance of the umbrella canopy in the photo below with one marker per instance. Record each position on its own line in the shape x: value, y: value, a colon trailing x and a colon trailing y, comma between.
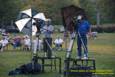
x: 26, y: 20
x: 68, y: 15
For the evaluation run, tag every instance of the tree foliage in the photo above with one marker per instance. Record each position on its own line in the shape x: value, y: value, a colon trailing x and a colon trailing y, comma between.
x: 51, y: 8
x: 108, y: 10
x: 105, y: 8
x: 9, y: 9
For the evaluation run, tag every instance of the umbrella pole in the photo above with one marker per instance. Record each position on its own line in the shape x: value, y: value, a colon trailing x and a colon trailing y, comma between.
x: 31, y: 39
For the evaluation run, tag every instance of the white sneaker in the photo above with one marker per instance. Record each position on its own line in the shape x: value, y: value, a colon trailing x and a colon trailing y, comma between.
x: 85, y: 58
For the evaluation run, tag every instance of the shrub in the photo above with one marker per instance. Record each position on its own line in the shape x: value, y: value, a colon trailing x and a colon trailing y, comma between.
x: 107, y: 29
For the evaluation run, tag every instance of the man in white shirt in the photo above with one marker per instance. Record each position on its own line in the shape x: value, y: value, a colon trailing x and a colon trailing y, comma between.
x: 27, y: 43
x: 58, y: 43
x: 4, y: 43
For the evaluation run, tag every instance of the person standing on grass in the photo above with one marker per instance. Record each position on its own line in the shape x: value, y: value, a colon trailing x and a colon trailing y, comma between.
x: 47, y: 41
x: 82, y: 29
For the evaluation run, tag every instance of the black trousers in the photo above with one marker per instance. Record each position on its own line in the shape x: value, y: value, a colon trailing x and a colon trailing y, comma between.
x: 46, y: 47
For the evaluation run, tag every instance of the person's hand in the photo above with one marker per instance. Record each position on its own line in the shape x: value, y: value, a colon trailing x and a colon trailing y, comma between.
x: 89, y: 34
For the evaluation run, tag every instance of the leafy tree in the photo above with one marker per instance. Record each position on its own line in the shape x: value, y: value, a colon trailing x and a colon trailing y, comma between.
x: 8, y: 11
x: 107, y: 10
x: 104, y: 7
x: 51, y: 8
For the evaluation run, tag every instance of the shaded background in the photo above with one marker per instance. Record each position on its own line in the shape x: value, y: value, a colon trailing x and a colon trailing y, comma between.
x: 98, y: 11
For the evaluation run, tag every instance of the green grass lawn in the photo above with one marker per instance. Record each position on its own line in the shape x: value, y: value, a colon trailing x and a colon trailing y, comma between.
x: 102, y: 49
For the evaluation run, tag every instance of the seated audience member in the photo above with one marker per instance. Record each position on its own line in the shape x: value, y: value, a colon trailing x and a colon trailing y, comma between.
x: 26, y: 43
x: 93, y: 35
x: 5, y: 35
x: 58, y: 43
x: 16, y: 42
x: 3, y: 44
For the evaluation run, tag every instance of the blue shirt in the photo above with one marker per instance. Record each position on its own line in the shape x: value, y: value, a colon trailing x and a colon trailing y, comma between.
x: 83, y: 27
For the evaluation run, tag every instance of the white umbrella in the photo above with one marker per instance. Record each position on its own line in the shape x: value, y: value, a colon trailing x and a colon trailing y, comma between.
x: 29, y: 16
x: 25, y: 25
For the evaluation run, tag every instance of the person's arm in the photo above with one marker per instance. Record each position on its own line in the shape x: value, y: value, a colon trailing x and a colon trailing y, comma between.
x: 89, y: 31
